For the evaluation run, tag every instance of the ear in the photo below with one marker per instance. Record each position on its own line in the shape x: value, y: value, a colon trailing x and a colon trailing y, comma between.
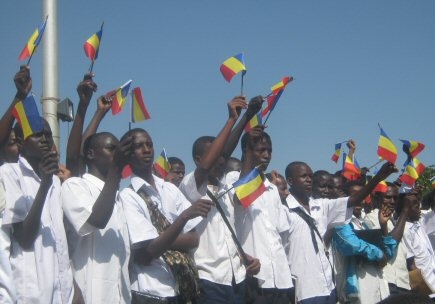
x: 289, y: 181
x: 197, y: 159
x: 90, y: 154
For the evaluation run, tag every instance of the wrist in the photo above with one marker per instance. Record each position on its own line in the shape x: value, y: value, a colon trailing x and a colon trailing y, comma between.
x: 20, y: 96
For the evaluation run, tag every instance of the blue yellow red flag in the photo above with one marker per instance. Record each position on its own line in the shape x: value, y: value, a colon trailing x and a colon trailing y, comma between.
x: 33, y: 41
x: 249, y: 187
x: 386, y: 148
x: 120, y: 97
x: 138, y: 110
x: 233, y: 66
x: 27, y: 114
x: 92, y: 45
x: 162, y: 165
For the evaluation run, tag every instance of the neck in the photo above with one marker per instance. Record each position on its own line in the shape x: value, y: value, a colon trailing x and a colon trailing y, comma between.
x: 146, y: 175
x: 97, y: 173
x: 301, y: 198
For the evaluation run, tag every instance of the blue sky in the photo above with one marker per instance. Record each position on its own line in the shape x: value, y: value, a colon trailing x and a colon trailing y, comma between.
x: 354, y: 63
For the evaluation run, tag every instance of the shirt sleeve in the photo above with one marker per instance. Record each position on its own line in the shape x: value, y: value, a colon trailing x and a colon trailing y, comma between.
x: 77, y: 204
x: 18, y: 203
x: 139, y: 224
x: 429, y: 222
x: 337, y: 212
x: 190, y: 190
x: 183, y: 204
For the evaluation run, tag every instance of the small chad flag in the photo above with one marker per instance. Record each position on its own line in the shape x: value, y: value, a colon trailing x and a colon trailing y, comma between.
x: 410, y: 175
x: 351, y: 169
x: 249, y: 187
x: 336, y: 154
x: 161, y: 165
x: 138, y: 110
x: 277, y: 91
x: 386, y: 148
x: 414, y: 147
x: 33, y: 42
x: 381, y: 187
x: 92, y: 45
x: 120, y: 97
x: 255, y: 121
x: 432, y: 181
x: 27, y: 115
x: 233, y: 66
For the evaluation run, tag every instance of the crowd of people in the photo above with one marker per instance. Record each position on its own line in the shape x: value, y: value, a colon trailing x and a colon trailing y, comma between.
x: 69, y: 234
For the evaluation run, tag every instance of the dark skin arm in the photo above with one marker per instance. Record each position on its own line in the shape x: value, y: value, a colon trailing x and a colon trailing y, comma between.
x: 103, y: 207
x: 23, y: 83
x: 253, y: 107
x: 85, y: 90
x: 208, y: 160
x: 26, y: 231
x: 356, y: 198
x: 172, y: 235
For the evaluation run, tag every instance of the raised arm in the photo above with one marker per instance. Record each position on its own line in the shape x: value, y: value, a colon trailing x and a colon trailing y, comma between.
x: 356, y: 198
x: 23, y: 83
x: 27, y: 230
x: 85, y: 90
x: 208, y: 160
x: 103, y: 207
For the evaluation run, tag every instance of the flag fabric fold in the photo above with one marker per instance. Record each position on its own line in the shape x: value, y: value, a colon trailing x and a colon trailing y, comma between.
x: 232, y: 66
x: 27, y: 114
x: 120, y: 97
x: 138, y: 110
x: 386, y: 148
x: 33, y: 42
x: 419, y: 166
x: 381, y: 187
x: 414, y: 147
x: 410, y: 175
x: 336, y: 154
x: 92, y: 45
x: 277, y: 91
x: 249, y: 187
x: 162, y: 165
x: 255, y: 121
x: 351, y: 170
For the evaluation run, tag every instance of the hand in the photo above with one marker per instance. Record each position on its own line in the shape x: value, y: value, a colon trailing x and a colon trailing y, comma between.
x: 123, y: 152
x: 254, y: 106
x: 383, y: 262
x: 385, y: 214
x: 274, y: 177
x: 23, y: 82
x: 104, y: 103
x: 199, y: 208
x: 48, y: 166
x: 386, y: 170
x: 253, y: 267
x: 63, y: 173
x: 86, y: 88
x: 351, y: 145
x: 235, y: 106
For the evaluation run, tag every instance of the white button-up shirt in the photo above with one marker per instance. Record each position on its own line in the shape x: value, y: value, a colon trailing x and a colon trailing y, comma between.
x: 396, y: 271
x: 216, y: 257
x: 99, y: 256
x: 258, y: 229
x: 42, y: 275
x: 155, y: 278
x: 419, y: 247
x: 312, y: 270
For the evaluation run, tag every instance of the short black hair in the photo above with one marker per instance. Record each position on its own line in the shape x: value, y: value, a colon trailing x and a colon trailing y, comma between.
x: 291, y: 167
x: 175, y: 161
x: 198, y: 147
x: 319, y: 174
x: 91, y: 140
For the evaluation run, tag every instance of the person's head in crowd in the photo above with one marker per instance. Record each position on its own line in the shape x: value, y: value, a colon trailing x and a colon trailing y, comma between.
x: 321, y: 184
x: 199, y: 149
x: 391, y: 197
x: 409, y: 195
x: 299, y: 177
x: 352, y: 187
x: 279, y: 181
x: 257, y: 148
x: 99, y: 149
x: 38, y: 144
x: 233, y: 164
x: 176, y: 172
x: 142, y: 152
x: 429, y: 200
x: 336, y: 186
x: 11, y: 149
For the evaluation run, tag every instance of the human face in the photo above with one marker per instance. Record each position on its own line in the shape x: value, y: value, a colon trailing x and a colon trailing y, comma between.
x: 391, y: 197
x: 37, y: 144
x: 10, y: 150
x: 176, y: 174
x: 103, y: 151
x: 262, y: 154
x: 281, y: 184
x: 414, y: 211
x: 358, y: 209
x: 321, y: 187
x: 300, y: 180
x: 143, y: 151
x: 336, y: 188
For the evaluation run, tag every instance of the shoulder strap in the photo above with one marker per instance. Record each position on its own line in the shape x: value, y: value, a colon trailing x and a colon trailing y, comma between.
x: 310, y: 222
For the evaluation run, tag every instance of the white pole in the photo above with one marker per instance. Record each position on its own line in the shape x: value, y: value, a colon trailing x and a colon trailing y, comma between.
x: 50, y: 92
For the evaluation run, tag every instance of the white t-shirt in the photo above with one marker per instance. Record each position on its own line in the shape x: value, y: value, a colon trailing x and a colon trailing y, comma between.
x: 216, y: 256
x: 155, y: 278
x: 100, y: 256
x: 419, y: 247
x: 42, y: 275
x: 312, y: 270
x: 258, y: 229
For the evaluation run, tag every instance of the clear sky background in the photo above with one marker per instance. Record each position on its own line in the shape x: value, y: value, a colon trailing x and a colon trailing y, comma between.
x: 354, y: 63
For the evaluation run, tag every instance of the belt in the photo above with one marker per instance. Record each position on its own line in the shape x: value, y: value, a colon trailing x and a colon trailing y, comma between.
x: 145, y: 298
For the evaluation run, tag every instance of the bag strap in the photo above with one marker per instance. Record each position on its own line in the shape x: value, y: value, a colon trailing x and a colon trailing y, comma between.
x: 310, y: 222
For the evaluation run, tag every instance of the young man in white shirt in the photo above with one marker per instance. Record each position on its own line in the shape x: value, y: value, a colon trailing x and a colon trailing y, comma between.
x: 98, y: 237
x: 260, y: 226
x: 309, y: 219
x: 39, y: 251
x: 151, y: 277
x: 219, y: 263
